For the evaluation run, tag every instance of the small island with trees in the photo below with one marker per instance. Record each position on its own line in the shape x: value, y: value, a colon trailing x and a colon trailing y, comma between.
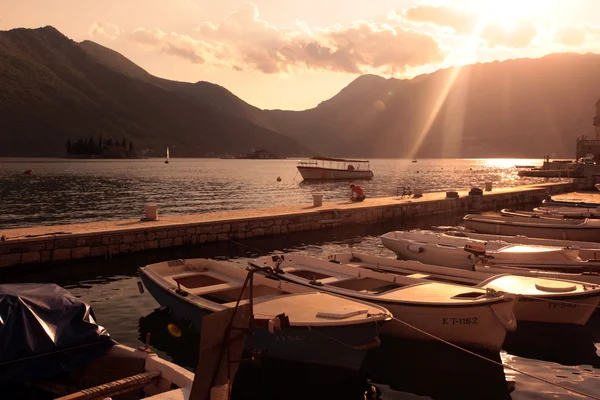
x: 100, y: 148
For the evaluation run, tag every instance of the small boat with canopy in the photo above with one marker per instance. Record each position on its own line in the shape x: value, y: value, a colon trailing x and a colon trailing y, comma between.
x: 323, y: 168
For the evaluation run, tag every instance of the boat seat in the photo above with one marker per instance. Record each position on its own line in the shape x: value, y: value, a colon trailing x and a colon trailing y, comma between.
x: 418, y: 276
x: 212, y: 288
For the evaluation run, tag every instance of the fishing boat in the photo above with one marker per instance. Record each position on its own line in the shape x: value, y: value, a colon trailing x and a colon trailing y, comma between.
x: 323, y: 329
x: 470, y: 317
x: 449, y: 251
x: 50, y: 343
x: 566, y: 229
x: 323, y: 168
x: 167, y: 157
x: 540, y: 300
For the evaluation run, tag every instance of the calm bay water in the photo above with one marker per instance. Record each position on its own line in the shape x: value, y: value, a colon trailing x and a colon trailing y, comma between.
x: 75, y: 191
x: 69, y: 191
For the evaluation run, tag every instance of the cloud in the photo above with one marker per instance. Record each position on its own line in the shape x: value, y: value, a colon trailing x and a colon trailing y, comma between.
x: 519, y: 36
x: 244, y: 39
x: 106, y: 30
x: 169, y: 43
x: 570, y: 36
x: 461, y: 22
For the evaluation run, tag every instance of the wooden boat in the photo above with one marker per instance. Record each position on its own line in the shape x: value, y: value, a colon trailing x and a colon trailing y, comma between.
x: 449, y: 251
x: 324, y: 168
x: 53, y: 344
x: 541, y: 300
x: 323, y: 329
x: 470, y: 317
x: 565, y: 229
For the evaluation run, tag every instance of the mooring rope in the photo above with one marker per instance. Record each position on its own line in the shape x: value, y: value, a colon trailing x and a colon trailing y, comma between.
x: 591, y: 396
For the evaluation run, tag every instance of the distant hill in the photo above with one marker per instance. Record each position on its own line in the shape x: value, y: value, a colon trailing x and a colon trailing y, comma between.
x: 52, y: 88
x: 515, y: 108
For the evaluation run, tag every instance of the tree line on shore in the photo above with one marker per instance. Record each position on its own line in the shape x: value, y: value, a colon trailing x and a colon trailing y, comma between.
x: 93, y: 147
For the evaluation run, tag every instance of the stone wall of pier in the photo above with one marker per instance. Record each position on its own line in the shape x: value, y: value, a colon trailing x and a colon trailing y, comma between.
x: 64, y: 248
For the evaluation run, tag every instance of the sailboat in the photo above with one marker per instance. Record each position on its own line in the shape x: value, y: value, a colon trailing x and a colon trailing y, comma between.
x: 167, y: 159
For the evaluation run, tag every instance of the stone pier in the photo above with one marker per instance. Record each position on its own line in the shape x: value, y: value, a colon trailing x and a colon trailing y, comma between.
x: 63, y: 243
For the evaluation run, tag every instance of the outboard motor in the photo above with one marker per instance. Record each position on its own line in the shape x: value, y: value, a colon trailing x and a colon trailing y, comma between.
x: 477, y: 250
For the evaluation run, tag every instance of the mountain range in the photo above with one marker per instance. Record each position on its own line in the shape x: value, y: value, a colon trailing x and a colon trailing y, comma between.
x: 52, y: 89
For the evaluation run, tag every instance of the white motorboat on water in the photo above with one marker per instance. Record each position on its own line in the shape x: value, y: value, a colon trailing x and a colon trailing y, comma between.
x: 471, y: 317
x: 323, y: 329
x: 324, y: 168
x: 440, y: 249
x: 565, y: 229
x: 541, y: 300
x: 577, y: 271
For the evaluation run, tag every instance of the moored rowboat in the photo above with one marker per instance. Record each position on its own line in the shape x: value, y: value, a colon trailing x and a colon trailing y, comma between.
x: 541, y: 300
x: 323, y: 329
x: 470, y: 317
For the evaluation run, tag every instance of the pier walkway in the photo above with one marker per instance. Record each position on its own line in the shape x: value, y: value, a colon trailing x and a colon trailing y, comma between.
x: 60, y: 243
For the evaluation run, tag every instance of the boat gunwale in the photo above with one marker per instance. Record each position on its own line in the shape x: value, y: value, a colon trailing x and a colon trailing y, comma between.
x: 564, y: 223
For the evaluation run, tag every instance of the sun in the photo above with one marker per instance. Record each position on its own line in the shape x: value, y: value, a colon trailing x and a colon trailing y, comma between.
x: 507, y: 13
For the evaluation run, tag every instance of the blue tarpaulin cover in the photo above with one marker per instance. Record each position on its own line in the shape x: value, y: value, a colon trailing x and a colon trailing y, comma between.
x: 45, y: 331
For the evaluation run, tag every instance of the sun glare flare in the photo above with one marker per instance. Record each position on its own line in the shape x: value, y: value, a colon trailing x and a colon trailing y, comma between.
x: 507, y: 13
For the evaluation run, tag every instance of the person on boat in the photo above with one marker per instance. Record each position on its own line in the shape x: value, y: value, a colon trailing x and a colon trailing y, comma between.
x: 358, y: 194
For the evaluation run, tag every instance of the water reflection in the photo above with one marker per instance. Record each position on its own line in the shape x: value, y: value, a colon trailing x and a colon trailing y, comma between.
x: 69, y: 191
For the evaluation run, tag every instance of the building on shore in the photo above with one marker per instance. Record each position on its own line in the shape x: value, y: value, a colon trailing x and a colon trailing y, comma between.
x: 587, y: 146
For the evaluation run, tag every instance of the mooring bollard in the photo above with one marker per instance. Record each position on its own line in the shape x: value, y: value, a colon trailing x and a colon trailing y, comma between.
x: 150, y: 212
x: 317, y: 200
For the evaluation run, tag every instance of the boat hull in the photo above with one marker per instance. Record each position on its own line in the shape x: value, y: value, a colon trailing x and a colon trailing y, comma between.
x: 477, y: 327
x: 580, y: 234
x: 452, y: 259
x: 329, y: 346
x: 320, y: 173
x: 572, y: 310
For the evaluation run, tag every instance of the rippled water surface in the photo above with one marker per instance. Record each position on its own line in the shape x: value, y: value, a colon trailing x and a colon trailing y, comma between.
x: 68, y: 191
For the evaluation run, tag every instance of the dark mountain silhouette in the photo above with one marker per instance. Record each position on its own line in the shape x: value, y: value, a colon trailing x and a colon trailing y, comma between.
x: 52, y: 88
x: 515, y: 108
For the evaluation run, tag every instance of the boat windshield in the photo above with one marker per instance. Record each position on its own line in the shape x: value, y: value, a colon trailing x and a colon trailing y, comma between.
x: 336, y: 163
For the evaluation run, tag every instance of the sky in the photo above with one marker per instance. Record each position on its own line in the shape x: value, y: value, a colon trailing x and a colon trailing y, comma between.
x: 292, y: 54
